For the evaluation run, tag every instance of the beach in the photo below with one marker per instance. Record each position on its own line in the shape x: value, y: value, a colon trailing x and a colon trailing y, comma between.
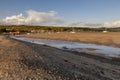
x: 27, y: 61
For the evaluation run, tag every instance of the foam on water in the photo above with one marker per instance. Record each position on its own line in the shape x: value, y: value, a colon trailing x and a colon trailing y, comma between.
x: 76, y: 46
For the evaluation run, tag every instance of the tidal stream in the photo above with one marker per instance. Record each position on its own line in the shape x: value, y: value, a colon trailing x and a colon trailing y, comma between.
x: 74, y: 46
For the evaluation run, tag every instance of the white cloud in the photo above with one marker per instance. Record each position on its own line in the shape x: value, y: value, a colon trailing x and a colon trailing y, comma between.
x: 34, y: 18
x: 85, y: 24
x: 16, y: 19
x: 1, y: 22
x: 50, y: 18
x: 95, y: 25
x: 112, y: 24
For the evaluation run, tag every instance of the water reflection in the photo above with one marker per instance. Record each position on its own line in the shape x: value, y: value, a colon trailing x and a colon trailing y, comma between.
x: 76, y: 46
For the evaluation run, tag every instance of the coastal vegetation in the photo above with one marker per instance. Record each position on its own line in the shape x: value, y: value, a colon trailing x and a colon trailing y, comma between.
x: 26, y: 28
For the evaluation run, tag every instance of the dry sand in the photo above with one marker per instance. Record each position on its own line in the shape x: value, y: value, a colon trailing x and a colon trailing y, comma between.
x: 109, y: 38
x: 26, y: 61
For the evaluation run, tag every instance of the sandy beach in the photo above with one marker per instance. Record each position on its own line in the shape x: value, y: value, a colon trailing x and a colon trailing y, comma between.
x: 26, y: 61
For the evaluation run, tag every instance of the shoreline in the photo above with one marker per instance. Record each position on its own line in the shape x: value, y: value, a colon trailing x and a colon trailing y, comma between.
x: 108, y: 39
x: 93, y: 54
x: 88, y: 50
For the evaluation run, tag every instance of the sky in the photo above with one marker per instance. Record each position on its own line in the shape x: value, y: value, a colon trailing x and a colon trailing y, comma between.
x: 76, y: 13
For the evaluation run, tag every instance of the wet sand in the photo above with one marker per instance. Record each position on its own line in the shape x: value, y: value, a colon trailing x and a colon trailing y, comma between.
x: 109, y: 38
x: 24, y: 61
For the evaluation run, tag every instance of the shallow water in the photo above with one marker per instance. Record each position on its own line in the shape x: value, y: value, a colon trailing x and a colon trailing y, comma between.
x: 75, y: 46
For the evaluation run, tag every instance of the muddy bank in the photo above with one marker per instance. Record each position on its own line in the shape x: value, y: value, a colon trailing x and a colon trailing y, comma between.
x: 73, y: 66
x: 109, y: 38
x: 23, y: 61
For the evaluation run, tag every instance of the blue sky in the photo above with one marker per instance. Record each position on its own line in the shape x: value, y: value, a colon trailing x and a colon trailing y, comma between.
x: 98, y: 11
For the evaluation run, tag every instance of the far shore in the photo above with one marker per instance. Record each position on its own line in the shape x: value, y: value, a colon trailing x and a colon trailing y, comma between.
x: 108, y: 38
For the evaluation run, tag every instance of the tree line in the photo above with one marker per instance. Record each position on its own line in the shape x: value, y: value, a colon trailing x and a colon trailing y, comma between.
x: 26, y: 28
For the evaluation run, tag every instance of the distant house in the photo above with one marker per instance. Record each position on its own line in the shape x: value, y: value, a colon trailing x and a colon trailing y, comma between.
x: 72, y: 32
x: 28, y: 33
x: 105, y: 31
x: 15, y: 33
x: 33, y: 31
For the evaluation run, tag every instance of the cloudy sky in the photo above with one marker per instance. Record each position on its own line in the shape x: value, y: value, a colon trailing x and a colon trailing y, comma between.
x: 75, y: 13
